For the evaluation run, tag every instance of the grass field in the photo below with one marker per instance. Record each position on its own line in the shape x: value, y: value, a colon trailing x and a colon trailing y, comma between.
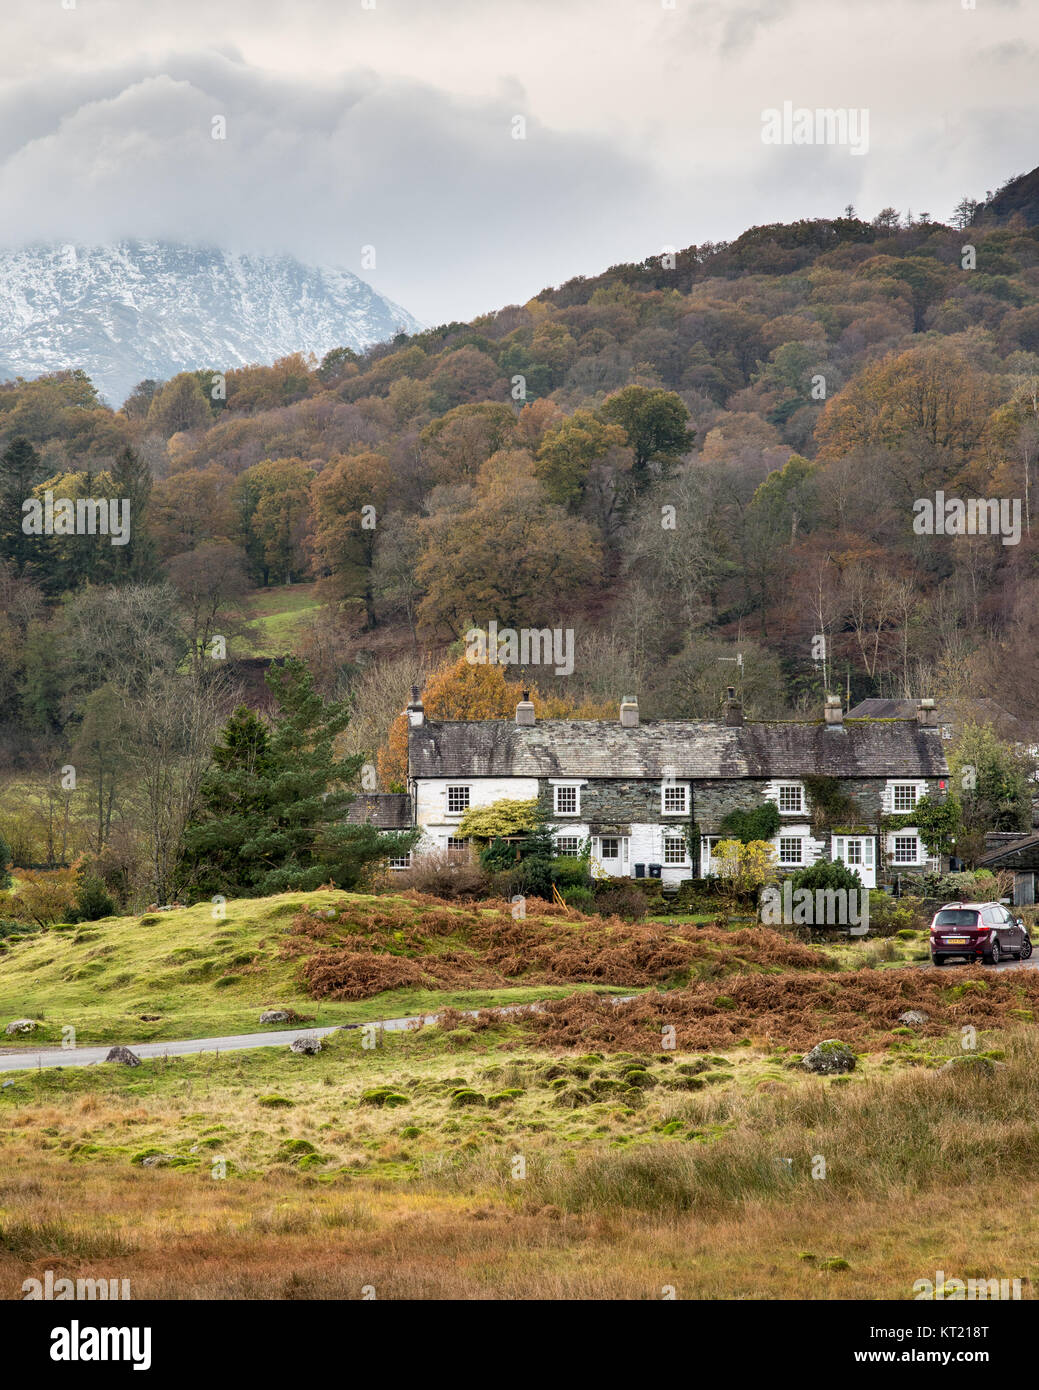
x: 197, y: 976
x: 590, y: 1149
x: 335, y: 957
x: 278, y: 612
x: 454, y: 1163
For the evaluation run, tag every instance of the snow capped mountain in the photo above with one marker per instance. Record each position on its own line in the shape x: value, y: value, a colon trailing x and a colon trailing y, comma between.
x: 151, y: 309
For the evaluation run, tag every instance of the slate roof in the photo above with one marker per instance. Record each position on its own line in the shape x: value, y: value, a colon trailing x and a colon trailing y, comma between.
x: 980, y: 709
x: 1018, y: 852
x: 694, y: 749
x: 387, y: 810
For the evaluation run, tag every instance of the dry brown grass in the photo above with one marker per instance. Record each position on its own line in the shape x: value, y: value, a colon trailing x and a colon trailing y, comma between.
x: 792, y: 1010
x: 184, y: 1239
x: 354, y: 955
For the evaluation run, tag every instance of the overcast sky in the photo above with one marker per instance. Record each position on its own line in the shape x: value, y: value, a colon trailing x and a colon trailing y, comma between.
x: 392, y: 127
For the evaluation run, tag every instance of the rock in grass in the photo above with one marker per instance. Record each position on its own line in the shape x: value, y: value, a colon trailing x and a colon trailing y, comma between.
x: 123, y: 1055
x: 307, y: 1044
x: 158, y: 1160
x: 21, y: 1025
x: 275, y: 1016
x: 829, y: 1057
x: 913, y: 1017
x: 971, y: 1062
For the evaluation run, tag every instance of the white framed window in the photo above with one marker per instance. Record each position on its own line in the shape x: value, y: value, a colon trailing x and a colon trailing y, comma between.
x: 791, y: 849
x: 791, y: 799
x: 401, y: 861
x: 674, y: 799
x: 457, y: 801
x: 457, y: 848
x: 674, y: 849
x: 906, y: 850
x: 856, y: 851
x: 567, y: 799
x: 613, y: 853
x: 569, y: 846
x: 904, y: 796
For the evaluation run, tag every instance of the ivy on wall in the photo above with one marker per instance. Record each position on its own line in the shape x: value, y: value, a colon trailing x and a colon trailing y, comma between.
x: 761, y: 823
x: 830, y: 803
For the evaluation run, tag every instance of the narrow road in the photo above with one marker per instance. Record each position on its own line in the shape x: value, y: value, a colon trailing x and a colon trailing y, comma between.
x: 56, y: 1056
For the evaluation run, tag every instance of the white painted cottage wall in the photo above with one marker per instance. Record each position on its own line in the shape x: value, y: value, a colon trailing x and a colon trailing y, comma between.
x: 431, y: 815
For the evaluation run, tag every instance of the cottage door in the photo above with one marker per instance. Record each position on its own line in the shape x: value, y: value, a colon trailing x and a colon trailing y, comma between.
x: 858, y: 852
x: 612, y: 854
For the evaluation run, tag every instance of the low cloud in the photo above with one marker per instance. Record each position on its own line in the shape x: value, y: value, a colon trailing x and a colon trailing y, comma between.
x: 437, y: 184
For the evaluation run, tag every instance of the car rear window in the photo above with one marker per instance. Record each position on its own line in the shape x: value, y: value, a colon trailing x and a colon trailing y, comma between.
x: 956, y: 917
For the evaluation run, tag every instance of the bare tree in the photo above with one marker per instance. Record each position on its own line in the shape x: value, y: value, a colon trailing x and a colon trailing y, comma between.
x: 177, y: 720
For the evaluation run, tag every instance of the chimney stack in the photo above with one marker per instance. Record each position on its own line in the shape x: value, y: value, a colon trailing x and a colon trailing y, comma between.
x: 832, y: 712
x: 416, y: 710
x: 927, y: 715
x: 525, y: 710
x: 733, y: 709
x: 629, y: 712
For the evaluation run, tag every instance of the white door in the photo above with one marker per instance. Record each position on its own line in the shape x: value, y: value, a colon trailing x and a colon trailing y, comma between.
x: 859, y: 853
x: 612, y: 854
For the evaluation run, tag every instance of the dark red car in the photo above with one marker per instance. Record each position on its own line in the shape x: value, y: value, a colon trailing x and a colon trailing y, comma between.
x: 978, y: 931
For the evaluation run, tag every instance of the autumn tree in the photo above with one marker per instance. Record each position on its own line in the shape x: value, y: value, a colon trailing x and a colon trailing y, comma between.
x: 212, y: 584
x: 509, y: 554
x: 180, y: 405
x: 929, y: 399
x: 655, y: 425
x: 569, y: 451
x: 273, y: 504
x: 459, y: 442
x: 461, y: 689
x: 191, y: 507
x: 349, y: 498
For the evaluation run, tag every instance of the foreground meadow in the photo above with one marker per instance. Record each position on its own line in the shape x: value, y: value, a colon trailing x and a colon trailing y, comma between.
x: 465, y: 1162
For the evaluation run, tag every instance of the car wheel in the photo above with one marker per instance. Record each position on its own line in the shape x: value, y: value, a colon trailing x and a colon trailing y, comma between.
x: 937, y: 960
x: 1026, y: 948
x: 994, y: 956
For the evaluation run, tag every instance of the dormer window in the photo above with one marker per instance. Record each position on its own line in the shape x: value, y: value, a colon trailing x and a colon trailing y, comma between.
x: 790, y: 799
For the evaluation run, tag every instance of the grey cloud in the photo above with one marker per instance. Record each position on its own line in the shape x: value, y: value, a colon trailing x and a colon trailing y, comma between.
x: 435, y: 183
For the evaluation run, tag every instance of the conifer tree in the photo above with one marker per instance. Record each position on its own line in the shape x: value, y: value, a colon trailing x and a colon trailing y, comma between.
x: 275, y: 801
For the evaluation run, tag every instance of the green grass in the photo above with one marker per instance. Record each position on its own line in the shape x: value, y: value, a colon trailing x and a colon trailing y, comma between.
x: 469, y: 1098
x: 278, y: 613
x: 202, y: 976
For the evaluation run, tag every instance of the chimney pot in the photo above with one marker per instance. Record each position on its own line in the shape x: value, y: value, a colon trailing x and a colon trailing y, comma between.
x: 416, y: 711
x: 927, y: 714
x: 629, y: 712
x: 525, y: 711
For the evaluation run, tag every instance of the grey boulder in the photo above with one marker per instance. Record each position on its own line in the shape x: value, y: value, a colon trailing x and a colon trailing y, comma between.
x: 829, y: 1057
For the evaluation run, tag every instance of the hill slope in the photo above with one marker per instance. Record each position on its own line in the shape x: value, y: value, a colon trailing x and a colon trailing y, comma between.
x: 151, y: 309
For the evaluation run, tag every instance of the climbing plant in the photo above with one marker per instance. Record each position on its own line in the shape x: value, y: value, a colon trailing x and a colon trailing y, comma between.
x: 761, y: 823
